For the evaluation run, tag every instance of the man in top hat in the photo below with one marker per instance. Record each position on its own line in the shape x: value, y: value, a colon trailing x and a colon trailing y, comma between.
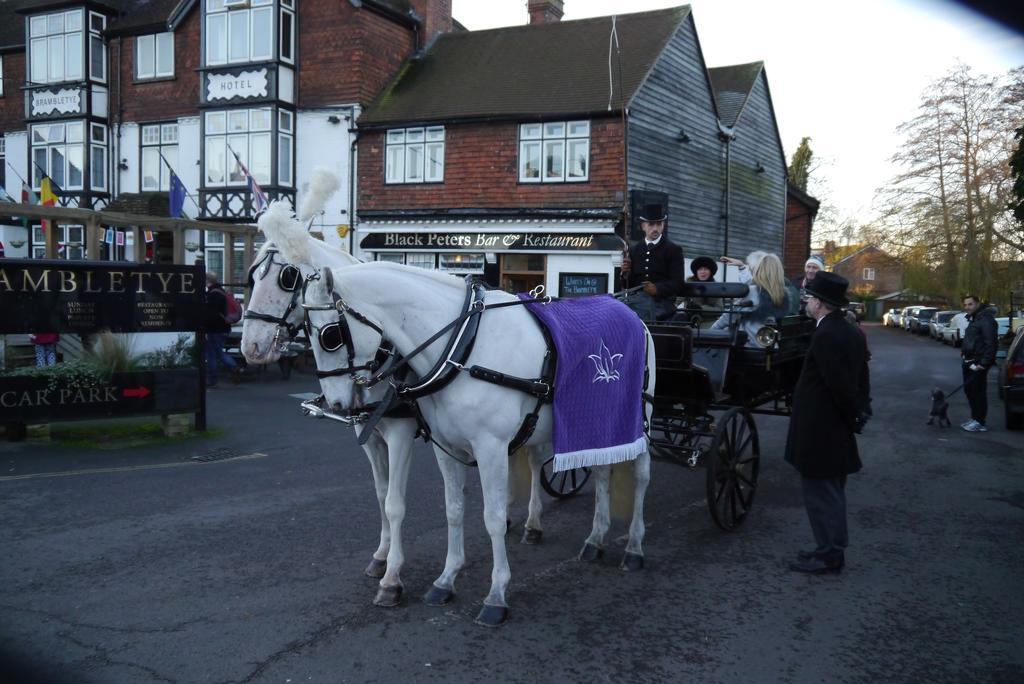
x: 830, y: 406
x: 656, y: 263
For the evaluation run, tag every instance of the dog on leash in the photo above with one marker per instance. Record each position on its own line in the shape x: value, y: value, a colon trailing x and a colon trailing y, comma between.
x: 940, y: 409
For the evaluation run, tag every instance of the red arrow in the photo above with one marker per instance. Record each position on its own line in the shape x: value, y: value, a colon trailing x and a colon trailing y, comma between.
x: 140, y: 392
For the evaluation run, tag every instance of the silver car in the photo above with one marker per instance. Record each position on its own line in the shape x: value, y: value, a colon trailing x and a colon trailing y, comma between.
x: 938, y: 323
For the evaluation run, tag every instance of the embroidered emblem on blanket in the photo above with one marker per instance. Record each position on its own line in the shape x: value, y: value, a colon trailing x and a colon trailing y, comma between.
x: 598, y: 409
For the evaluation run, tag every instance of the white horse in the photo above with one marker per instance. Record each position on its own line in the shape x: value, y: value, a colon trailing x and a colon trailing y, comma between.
x: 473, y: 419
x: 273, y: 314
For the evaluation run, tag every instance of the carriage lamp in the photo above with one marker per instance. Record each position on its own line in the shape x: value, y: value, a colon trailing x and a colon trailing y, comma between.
x: 766, y: 336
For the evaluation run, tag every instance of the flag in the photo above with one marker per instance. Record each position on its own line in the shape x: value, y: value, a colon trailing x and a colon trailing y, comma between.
x: 109, y: 238
x: 27, y: 197
x: 120, y: 238
x: 176, y: 195
x: 259, y: 199
x: 49, y: 198
x: 149, y: 235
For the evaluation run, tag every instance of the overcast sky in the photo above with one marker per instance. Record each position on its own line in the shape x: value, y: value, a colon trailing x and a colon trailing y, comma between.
x: 845, y: 74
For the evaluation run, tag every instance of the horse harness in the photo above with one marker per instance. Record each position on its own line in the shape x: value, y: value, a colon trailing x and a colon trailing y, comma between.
x: 288, y: 279
x: 403, y: 392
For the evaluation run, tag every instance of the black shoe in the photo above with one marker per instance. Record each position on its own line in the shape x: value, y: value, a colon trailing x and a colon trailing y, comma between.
x: 818, y: 566
x: 806, y: 555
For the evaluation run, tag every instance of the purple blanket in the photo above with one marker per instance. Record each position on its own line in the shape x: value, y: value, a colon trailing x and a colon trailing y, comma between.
x: 598, y: 409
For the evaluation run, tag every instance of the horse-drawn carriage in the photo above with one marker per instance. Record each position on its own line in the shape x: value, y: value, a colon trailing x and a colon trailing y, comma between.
x: 472, y: 390
x: 701, y: 371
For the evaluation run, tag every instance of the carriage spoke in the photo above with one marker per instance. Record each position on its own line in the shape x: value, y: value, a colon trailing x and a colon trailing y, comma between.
x: 561, y: 484
x: 743, y: 478
x: 721, y: 490
x: 745, y: 502
x: 746, y: 442
x: 732, y: 504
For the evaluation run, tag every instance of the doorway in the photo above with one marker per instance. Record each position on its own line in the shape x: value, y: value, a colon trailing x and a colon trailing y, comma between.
x: 522, y: 272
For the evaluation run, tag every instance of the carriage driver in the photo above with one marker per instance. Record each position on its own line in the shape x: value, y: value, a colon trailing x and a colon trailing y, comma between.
x: 656, y: 263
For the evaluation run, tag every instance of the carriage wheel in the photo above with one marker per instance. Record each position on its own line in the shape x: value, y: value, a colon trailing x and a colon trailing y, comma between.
x: 733, y: 461
x: 564, y: 484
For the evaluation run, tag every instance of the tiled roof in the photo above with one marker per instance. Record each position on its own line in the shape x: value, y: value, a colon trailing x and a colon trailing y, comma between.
x: 732, y: 84
x: 131, y: 16
x: 536, y: 71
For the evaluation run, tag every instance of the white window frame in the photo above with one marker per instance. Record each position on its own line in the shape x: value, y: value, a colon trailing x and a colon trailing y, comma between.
x: 44, y: 34
x: 226, y: 14
x: 869, y: 274
x: 424, y: 260
x: 50, y: 139
x: 549, y: 144
x: 98, y: 157
x: 149, y: 44
x: 253, y: 134
x: 165, y: 143
x: 74, y: 249
x: 462, y: 263
x: 287, y: 37
x: 97, y: 23
x: 407, y: 155
x: 1, y: 76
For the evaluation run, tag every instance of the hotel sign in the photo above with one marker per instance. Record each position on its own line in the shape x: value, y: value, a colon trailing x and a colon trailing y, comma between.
x: 494, y: 242
x: 65, y: 101
x: 84, y: 297
x: 244, y: 85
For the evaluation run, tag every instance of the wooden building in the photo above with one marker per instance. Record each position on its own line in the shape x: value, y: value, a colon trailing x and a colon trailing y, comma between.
x: 514, y: 154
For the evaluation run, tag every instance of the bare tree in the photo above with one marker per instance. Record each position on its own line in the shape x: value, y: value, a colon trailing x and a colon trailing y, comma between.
x: 952, y: 193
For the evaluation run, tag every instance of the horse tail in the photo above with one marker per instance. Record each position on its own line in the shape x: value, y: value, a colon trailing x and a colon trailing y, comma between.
x: 323, y: 185
x: 623, y: 485
x: 519, y: 475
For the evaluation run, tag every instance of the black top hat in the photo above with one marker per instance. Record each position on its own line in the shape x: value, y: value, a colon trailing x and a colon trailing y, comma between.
x: 829, y: 288
x: 703, y: 262
x: 653, y: 212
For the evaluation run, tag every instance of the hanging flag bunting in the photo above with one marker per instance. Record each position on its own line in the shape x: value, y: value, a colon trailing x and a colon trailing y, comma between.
x: 120, y: 238
x: 259, y: 198
x: 149, y: 235
x: 49, y: 198
x: 109, y: 238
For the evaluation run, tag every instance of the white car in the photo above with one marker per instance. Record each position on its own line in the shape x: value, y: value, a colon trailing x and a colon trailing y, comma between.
x: 953, y: 333
x: 890, y: 317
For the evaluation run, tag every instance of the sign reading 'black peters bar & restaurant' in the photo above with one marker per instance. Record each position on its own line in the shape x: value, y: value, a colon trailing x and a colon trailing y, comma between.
x: 69, y: 296
x: 494, y: 242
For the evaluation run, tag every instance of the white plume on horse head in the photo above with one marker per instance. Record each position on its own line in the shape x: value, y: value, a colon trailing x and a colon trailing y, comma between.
x: 323, y: 186
x: 280, y: 226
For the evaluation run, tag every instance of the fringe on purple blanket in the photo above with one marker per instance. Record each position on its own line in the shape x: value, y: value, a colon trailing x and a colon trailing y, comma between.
x: 598, y: 409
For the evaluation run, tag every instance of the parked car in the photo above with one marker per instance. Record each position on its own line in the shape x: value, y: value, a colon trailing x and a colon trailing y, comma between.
x: 919, y: 321
x: 938, y: 323
x: 890, y: 317
x: 908, y: 315
x: 1011, y: 383
x: 954, y: 330
x: 857, y: 308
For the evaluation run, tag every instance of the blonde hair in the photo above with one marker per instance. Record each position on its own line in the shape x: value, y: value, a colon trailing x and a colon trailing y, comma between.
x: 769, y: 274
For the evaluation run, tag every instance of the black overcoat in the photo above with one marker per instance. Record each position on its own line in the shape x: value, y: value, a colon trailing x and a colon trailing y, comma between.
x: 830, y: 395
x: 661, y: 264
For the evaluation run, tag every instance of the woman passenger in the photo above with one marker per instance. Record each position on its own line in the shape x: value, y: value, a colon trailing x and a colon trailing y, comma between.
x: 769, y: 300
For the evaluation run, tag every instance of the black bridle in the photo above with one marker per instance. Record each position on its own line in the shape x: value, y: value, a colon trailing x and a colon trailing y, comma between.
x: 289, y: 279
x: 335, y: 335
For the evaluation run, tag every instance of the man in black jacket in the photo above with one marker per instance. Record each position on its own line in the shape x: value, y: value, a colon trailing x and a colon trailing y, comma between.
x: 217, y: 329
x: 830, y: 406
x: 656, y: 263
x: 978, y: 351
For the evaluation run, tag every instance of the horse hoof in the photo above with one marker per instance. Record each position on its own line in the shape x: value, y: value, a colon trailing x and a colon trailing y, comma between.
x: 492, y: 616
x: 532, y: 536
x: 632, y: 562
x: 591, y: 553
x: 388, y: 597
x: 376, y: 568
x: 438, y: 596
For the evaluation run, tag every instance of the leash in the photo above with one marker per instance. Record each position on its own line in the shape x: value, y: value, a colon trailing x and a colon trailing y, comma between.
x: 962, y: 384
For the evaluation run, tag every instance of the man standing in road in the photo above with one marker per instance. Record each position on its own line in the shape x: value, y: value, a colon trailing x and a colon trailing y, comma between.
x: 656, y: 263
x: 830, y: 406
x: 978, y: 351
x: 217, y: 329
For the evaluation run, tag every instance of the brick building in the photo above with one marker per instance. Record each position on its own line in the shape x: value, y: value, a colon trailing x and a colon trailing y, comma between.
x: 870, y: 270
x: 801, y: 209
x: 512, y: 153
x: 107, y: 96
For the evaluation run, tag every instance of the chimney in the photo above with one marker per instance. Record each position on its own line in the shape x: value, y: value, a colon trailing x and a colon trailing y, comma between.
x: 545, y: 11
x: 437, y: 18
